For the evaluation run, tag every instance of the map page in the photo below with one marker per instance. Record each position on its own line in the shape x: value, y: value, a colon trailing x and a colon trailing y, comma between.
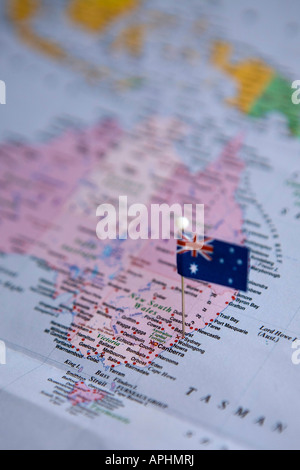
x: 159, y: 103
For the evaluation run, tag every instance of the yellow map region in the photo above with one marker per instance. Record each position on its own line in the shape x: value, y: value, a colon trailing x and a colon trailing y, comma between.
x: 21, y: 13
x: 96, y: 15
x: 22, y: 10
x: 253, y: 76
x: 92, y: 15
x: 132, y: 40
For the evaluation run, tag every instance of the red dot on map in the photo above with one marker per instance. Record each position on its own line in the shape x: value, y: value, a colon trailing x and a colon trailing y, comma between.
x: 173, y: 327
x: 206, y: 324
x: 226, y: 303
x: 119, y: 362
x: 88, y: 354
x: 171, y: 344
x: 134, y: 363
x: 156, y: 355
x: 134, y: 332
x: 126, y: 362
x: 191, y: 328
x: 112, y: 366
x: 162, y: 329
x: 137, y: 322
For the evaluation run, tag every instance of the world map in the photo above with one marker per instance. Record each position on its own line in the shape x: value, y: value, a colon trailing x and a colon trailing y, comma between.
x: 164, y: 104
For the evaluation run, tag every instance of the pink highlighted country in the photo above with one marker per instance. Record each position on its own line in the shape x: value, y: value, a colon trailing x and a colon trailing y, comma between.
x: 124, y: 296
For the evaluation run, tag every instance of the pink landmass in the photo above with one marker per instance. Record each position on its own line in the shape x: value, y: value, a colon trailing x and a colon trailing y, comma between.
x: 125, y: 295
x: 37, y: 181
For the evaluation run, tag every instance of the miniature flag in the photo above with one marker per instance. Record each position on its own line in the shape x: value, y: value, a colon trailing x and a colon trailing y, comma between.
x: 213, y: 261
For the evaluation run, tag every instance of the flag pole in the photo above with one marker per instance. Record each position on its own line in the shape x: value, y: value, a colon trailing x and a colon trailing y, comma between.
x: 182, y: 295
x: 182, y: 223
x: 183, y: 306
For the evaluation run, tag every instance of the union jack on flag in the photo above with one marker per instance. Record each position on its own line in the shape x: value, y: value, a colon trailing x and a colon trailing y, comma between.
x: 214, y: 261
x: 196, y: 245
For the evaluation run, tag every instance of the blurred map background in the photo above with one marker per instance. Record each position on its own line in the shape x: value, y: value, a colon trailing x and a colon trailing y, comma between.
x: 162, y: 102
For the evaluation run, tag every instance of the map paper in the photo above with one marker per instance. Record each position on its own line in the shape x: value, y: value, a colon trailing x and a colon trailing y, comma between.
x: 162, y: 102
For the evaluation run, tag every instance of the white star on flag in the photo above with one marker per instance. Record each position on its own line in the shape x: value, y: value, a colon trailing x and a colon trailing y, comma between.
x: 193, y: 268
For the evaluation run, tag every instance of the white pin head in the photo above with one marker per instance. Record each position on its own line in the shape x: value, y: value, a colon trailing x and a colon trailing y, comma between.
x: 182, y: 223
